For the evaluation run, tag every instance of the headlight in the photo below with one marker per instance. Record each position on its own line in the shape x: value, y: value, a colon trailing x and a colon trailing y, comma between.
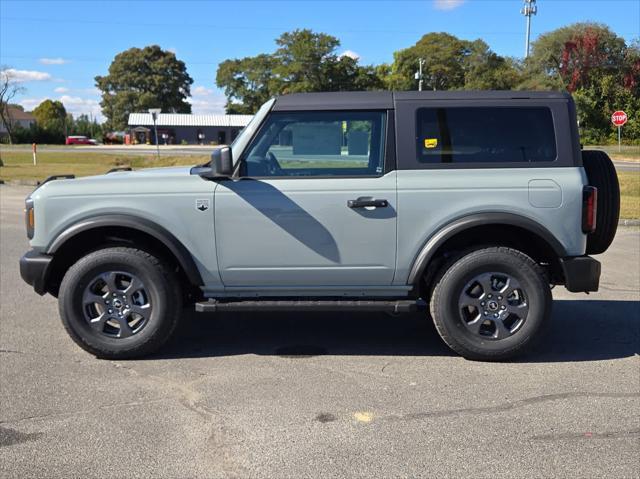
x: 29, y: 217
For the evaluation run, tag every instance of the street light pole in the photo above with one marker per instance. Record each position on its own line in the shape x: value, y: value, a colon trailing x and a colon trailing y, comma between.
x: 154, y: 116
x: 528, y: 9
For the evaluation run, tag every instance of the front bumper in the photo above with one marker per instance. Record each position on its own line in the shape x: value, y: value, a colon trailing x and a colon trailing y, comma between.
x: 34, y: 269
x: 581, y: 274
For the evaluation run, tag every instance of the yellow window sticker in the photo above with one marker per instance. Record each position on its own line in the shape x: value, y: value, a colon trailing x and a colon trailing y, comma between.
x: 430, y: 142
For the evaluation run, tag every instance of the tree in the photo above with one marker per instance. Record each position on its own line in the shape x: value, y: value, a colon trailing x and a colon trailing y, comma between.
x: 496, y: 73
x: 486, y: 70
x: 85, y: 126
x: 302, y: 59
x: 443, y: 69
x: 631, y: 73
x: 571, y: 55
x: 51, y: 121
x: 600, y: 70
x: 305, y: 61
x: 344, y: 74
x: 247, y: 82
x: 308, y: 61
x: 140, y: 79
x: 451, y: 63
x: 9, y: 88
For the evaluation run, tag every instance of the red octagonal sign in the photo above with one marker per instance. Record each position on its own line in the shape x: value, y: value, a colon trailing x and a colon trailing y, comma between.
x: 619, y: 118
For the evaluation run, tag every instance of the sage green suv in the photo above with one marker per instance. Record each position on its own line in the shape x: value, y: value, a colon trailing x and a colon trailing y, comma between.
x: 468, y: 205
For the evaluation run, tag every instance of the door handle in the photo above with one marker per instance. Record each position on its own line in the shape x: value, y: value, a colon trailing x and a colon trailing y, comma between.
x: 365, y: 202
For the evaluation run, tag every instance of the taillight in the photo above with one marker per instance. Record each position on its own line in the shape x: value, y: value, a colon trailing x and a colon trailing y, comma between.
x: 589, y: 208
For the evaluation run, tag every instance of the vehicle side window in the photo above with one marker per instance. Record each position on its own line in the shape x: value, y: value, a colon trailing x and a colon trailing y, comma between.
x: 318, y: 143
x: 485, y: 135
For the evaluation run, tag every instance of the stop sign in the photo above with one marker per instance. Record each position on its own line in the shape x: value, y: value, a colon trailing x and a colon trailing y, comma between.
x: 619, y: 118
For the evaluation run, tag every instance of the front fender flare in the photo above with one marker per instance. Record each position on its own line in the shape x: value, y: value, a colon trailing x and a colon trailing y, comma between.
x: 182, y: 255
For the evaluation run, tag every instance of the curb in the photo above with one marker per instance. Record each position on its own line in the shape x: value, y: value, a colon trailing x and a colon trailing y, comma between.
x: 19, y: 182
x: 629, y: 223
x: 627, y: 162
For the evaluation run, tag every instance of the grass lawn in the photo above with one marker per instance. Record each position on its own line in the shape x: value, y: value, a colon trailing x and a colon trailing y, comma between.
x: 628, y: 153
x: 18, y: 165
x: 629, y: 194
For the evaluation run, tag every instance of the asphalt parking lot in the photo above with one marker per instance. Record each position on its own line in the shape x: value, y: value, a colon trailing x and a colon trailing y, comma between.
x: 321, y: 395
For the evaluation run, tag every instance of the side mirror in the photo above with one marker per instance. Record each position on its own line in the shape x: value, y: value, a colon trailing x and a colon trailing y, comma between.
x: 221, y: 165
x: 222, y: 162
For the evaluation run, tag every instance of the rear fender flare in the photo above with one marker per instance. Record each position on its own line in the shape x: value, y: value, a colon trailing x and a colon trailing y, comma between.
x: 481, y: 219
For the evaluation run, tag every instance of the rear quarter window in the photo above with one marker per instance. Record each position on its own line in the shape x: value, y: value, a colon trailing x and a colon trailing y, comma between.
x: 485, y: 135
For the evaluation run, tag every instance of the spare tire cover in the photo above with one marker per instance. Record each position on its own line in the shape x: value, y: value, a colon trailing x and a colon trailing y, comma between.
x: 602, y: 174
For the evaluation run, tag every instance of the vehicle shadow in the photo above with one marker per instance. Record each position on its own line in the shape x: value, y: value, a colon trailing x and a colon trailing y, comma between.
x: 590, y: 330
x: 288, y: 215
x: 582, y: 330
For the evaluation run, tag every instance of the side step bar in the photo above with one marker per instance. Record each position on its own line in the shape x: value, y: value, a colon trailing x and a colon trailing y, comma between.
x: 394, y: 306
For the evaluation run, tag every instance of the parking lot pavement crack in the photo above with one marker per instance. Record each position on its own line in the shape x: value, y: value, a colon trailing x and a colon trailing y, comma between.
x: 360, y: 376
x: 220, y: 445
x: 385, y: 366
x: 197, y: 407
x: 56, y: 415
x: 633, y: 434
x: 184, y: 393
x: 223, y: 450
x: 128, y: 369
x: 218, y: 440
x: 508, y: 406
x: 59, y: 357
x: 9, y: 437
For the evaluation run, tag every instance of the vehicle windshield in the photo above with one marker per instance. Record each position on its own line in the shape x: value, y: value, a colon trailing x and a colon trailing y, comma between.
x: 241, y: 141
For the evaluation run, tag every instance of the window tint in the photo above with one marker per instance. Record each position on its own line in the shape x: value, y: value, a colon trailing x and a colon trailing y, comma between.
x: 485, y: 135
x: 342, y: 143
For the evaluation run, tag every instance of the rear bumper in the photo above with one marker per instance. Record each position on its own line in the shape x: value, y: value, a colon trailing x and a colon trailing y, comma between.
x: 34, y: 269
x: 581, y: 274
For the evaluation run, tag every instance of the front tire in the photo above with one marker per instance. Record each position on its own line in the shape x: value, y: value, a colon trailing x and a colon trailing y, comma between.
x: 491, y: 304
x: 119, y: 303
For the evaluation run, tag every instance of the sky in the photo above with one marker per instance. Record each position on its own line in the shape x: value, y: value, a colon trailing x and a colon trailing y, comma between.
x: 58, y: 47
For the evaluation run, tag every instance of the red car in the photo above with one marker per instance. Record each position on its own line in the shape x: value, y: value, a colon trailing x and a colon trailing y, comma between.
x: 80, y: 140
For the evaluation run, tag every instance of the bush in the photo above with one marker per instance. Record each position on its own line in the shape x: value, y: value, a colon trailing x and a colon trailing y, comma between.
x: 35, y: 134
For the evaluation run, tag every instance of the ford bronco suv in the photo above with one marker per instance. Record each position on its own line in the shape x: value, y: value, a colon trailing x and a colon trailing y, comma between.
x: 469, y: 205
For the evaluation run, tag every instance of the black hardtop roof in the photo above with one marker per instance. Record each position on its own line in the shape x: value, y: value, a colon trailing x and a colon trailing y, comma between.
x: 386, y: 99
x: 340, y: 100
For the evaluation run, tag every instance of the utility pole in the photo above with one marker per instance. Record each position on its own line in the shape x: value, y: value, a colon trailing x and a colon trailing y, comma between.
x: 419, y: 76
x: 528, y: 9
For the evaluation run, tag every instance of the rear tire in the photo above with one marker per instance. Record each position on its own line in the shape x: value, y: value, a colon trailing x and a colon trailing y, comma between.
x: 602, y: 174
x: 119, y: 303
x: 491, y: 304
